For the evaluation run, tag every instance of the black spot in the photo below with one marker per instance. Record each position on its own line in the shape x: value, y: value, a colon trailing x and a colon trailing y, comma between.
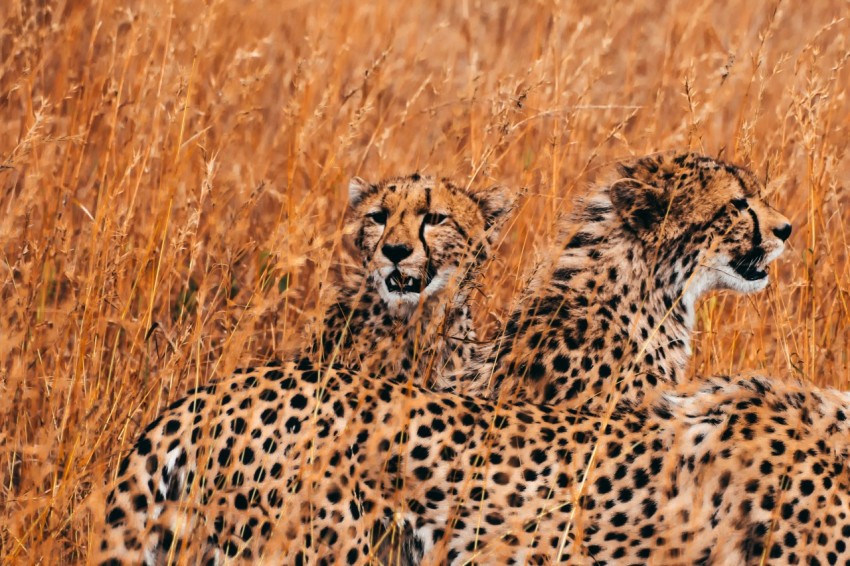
x: 230, y: 548
x: 140, y: 502
x: 538, y: 456
x: 477, y: 494
x: 458, y: 437
x: 435, y: 494
x: 167, y: 539
x: 641, y: 478
x: 561, y: 363
x: 293, y: 425
x: 501, y: 478
x: 143, y: 446
x: 423, y: 473
x: 435, y: 409
x: 420, y: 452
x: 117, y: 514
x: 268, y: 395
x: 603, y: 485
x: 238, y: 425
x: 334, y: 495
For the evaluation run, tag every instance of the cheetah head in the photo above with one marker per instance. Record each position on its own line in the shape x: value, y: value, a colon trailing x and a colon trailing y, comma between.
x: 703, y: 218
x: 418, y: 236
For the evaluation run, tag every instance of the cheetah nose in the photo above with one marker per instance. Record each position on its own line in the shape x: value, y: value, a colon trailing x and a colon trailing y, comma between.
x: 783, y: 232
x: 396, y: 252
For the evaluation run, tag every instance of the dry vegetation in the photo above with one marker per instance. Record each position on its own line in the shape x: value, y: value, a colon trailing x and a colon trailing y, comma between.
x: 172, y: 183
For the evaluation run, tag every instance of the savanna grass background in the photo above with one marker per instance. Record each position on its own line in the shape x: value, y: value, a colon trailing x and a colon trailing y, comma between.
x: 172, y: 185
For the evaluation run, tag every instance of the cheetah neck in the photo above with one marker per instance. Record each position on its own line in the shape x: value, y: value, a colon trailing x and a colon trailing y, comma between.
x: 428, y: 345
x: 599, y: 321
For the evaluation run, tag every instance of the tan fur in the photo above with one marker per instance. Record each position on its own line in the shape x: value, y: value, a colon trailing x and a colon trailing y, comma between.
x: 612, y: 313
x: 732, y: 472
x: 427, y: 333
x: 675, y: 478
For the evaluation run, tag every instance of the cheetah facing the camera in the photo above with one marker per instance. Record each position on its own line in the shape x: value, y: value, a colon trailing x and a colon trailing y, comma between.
x: 421, y: 242
x: 405, y: 314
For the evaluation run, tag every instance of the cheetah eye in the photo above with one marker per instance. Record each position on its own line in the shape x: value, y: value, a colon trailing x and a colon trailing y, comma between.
x: 379, y: 217
x: 740, y: 203
x: 435, y: 219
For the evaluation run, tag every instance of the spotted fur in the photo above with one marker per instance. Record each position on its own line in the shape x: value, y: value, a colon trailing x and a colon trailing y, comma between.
x: 613, y: 312
x: 311, y: 459
x: 323, y: 459
x: 611, y: 315
x: 421, y: 242
x: 414, y: 228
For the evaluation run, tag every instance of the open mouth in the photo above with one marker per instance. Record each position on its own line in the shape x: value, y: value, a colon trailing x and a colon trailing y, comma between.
x: 398, y: 283
x: 747, y: 266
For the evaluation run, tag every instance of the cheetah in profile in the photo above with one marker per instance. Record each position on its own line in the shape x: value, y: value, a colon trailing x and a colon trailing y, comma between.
x: 614, y: 310
x: 612, y: 313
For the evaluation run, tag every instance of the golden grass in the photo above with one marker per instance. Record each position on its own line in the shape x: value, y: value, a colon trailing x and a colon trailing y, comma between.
x: 172, y: 179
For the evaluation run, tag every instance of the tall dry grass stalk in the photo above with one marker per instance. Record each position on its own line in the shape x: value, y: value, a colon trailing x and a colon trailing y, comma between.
x: 172, y: 182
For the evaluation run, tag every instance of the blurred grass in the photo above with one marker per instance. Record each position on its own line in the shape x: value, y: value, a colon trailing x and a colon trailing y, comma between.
x: 172, y: 184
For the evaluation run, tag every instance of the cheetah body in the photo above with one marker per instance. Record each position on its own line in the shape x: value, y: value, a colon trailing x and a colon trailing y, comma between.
x: 313, y: 459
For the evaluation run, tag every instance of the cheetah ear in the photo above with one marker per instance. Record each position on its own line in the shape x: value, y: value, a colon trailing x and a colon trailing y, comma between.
x: 496, y: 204
x: 641, y: 204
x: 357, y: 189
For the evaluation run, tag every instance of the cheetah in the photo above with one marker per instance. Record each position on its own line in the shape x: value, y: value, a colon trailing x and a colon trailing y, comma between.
x: 612, y: 313
x: 406, y: 313
x: 421, y: 242
x: 615, y: 307
x: 734, y: 472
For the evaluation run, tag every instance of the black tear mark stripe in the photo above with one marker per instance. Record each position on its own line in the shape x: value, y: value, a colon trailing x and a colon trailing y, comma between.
x: 359, y: 241
x: 756, y: 228
x: 422, y: 225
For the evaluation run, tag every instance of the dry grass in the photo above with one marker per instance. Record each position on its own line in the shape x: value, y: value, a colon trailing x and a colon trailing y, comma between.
x: 168, y: 169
